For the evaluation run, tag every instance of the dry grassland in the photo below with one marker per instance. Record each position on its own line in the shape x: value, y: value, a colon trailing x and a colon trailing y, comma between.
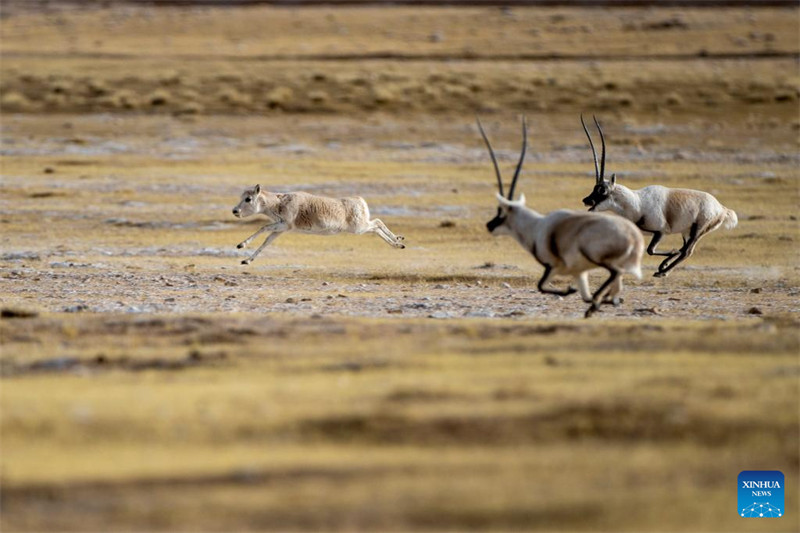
x: 150, y: 382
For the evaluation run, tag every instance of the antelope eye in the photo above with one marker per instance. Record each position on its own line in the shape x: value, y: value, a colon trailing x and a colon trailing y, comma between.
x: 247, y: 200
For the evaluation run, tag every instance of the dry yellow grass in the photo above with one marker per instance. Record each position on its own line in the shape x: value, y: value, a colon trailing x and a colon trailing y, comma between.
x: 400, y: 60
x: 267, y: 31
x: 287, y: 421
x: 373, y: 424
x: 339, y: 384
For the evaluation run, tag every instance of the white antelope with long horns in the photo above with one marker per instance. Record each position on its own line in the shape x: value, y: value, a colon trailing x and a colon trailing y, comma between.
x: 569, y: 243
x: 308, y: 213
x: 658, y: 210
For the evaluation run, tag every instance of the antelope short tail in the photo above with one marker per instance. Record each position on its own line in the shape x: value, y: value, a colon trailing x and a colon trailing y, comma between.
x: 729, y: 219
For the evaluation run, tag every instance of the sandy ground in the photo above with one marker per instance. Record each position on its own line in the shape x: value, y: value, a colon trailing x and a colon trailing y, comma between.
x: 159, y: 217
x: 152, y: 382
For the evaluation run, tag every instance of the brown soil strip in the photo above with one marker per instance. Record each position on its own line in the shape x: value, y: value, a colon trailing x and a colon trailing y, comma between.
x: 612, y: 422
x: 427, y: 57
x: 490, y: 3
x: 9, y: 368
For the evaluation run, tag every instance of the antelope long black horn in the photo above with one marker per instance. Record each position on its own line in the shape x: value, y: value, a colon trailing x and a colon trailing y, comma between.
x: 521, y: 158
x: 603, y: 157
x: 597, y: 177
x: 491, y: 153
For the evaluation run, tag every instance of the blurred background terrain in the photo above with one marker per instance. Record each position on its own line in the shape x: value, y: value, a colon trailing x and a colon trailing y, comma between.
x: 148, y: 381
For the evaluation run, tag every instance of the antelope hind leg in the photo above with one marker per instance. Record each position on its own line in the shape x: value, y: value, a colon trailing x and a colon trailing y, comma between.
x: 379, y: 223
x: 651, y: 250
x: 378, y: 227
x: 612, y: 297
x: 685, y: 253
x: 598, y: 296
x: 583, y: 287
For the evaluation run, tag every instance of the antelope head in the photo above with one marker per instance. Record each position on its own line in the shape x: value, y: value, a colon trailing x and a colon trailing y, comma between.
x: 602, y: 188
x: 247, y: 204
x: 499, y: 225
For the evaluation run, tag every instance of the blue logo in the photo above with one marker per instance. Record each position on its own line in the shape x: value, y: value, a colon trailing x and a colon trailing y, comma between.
x: 761, y: 494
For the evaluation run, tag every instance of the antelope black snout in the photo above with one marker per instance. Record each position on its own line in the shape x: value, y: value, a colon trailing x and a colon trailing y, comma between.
x: 236, y: 211
x: 495, y: 222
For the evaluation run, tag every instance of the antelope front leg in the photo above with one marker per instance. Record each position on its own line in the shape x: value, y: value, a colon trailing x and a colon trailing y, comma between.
x: 272, y: 237
x: 651, y: 248
x: 545, y: 276
x: 272, y: 226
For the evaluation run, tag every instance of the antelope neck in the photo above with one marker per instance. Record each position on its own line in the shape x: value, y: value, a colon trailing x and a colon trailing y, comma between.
x: 626, y: 202
x: 524, y: 222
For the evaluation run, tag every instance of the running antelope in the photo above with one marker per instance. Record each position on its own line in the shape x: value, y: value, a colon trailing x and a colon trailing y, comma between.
x: 308, y: 213
x: 658, y: 210
x: 569, y: 243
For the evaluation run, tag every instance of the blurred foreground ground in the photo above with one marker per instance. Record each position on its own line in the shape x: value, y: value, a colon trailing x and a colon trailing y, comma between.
x: 337, y: 383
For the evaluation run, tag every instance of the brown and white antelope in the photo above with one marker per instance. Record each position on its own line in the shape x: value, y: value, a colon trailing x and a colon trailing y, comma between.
x: 308, y: 213
x: 569, y: 243
x: 658, y: 210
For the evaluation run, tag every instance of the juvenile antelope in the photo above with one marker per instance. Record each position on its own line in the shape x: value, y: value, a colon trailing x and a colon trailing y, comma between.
x: 658, y: 210
x: 569, y: 243
x: 308, y: 213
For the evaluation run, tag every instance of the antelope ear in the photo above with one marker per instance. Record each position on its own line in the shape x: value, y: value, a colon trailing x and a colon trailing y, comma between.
x: 613, y: 179
x: 257, y: 189
x: 521, y: 198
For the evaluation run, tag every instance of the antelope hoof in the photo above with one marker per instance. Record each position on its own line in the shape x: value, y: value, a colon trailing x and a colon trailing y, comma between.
x: 400, y: 237
x: 590, y: 311
x: 570, y: 290
x: 660, y: 274
x: 246, y: 261
x: 240, y: 245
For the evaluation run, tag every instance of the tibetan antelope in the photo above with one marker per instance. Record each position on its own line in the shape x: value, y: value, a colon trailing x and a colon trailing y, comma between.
x: 658, y: 210
x: 569, y: 243
x: 307, y: 213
